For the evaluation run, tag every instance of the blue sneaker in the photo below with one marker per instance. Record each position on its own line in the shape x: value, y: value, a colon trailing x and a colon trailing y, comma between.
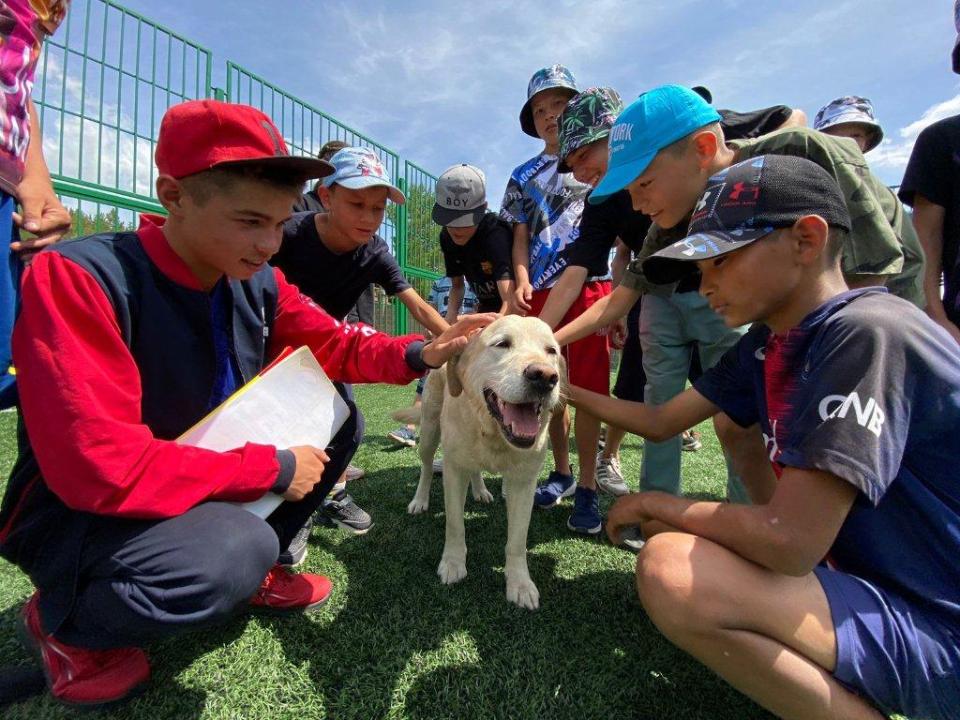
x: 585, y: 518
x: 556, y: 488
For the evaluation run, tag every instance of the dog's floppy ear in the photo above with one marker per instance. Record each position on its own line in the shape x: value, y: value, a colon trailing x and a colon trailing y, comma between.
x: 454, y: 385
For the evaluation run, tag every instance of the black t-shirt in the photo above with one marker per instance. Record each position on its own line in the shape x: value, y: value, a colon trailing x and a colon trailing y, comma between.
x: 600, y: 226
x: 365, y: 309
x: 334, y: 282
x: 934, y: 172
x: 483, y: 260
x: 309, y: 202
x: 754, y: 123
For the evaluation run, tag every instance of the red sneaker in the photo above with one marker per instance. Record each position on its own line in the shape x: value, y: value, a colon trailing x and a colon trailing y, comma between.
x: 79, y: 676
x: 283, y: 591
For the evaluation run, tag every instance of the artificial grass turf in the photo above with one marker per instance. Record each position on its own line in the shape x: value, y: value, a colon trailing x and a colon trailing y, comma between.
x: 395, y: 643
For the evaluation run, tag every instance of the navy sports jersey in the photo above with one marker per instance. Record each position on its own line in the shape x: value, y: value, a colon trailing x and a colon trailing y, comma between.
x: 867, y: 388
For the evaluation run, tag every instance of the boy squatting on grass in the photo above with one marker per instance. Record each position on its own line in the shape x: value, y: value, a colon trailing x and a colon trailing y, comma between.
x: 838, y: 597
x: 124, y: 342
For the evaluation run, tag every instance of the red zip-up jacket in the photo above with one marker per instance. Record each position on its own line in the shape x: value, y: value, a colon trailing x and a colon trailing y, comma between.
x: 80, y: 391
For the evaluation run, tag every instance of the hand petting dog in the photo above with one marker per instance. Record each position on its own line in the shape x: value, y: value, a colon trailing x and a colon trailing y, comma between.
x: 454, y: 339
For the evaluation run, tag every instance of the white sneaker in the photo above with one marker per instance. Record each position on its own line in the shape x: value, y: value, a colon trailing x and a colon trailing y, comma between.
x: 631, y: 538
x: 609, y: 476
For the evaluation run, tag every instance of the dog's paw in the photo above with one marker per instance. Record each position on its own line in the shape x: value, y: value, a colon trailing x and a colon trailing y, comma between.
x: 418, y: 505
x: 451, y: 570
x: 524, y: 593
x: 483, y: 495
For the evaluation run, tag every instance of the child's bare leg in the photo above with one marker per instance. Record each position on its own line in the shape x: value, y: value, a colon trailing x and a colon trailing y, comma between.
x: 586, y: 431
x: 559, y: 431
x: 771, y: 636
x: 611, y: 448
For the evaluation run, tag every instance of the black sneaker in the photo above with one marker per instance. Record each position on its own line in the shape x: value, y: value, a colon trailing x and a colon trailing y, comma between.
x: 296, y: 551
x: 342, y: 511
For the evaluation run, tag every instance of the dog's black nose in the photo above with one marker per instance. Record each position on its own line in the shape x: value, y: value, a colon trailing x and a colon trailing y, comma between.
x: 543, y: 377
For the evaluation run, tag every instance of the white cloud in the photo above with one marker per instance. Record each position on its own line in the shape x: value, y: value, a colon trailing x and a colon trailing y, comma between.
x: 893, y: 155
x: 930, y: 116
x: 83, y: 149
x: 442, y: 83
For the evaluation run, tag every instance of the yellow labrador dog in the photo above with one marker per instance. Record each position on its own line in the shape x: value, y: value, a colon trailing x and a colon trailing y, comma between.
x: 490, y: 410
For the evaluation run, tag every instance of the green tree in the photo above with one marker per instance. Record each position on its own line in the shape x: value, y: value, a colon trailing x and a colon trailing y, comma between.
x: 423, y: 235
x: 102, y: 221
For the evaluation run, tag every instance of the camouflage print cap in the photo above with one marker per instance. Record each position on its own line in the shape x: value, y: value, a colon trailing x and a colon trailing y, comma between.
x: 850, y: 109
x: 555, y: 76
x: 587, y: 118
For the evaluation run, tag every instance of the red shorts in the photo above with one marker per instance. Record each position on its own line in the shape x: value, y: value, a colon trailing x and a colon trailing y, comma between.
x: 588, y: 360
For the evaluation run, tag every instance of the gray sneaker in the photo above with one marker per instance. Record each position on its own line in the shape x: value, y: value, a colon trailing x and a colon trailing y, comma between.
x: 296, y: 551
x: 342, y: 511
x: 403, y: 436
x: 609, y: 476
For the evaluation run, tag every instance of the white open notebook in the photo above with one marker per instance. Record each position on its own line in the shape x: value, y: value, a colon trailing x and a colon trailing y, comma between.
x: 291, y: 402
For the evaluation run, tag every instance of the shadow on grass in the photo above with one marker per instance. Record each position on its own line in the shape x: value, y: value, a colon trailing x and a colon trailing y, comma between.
x: 403, y: 644
x: 395, y: 642
x: 165, y: 694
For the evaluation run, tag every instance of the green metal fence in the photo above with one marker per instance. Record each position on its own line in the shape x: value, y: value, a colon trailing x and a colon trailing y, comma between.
x: 419, y: 254
x: 103, y: 83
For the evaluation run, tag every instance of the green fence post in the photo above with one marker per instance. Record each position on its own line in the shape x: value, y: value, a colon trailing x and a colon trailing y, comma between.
x: 219, y: 93
x: 400, y: 250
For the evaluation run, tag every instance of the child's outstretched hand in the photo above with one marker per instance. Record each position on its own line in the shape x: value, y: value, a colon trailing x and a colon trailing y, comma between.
x: 455, y: 338
x: 522, y: 297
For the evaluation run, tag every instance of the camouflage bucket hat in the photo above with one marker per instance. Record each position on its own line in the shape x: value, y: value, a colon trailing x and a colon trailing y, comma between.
x: 555, y: 76
x: 587, y: 118
x: 850, y: 109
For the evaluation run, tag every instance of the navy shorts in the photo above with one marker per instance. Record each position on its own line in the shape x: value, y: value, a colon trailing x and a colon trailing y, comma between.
x: 893, y: 651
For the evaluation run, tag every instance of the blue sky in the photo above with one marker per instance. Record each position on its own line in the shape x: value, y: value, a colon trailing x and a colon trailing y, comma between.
x: 443, y: 83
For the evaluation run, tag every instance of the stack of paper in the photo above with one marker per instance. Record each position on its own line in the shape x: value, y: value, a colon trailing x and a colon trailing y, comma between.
x: 292, y: 402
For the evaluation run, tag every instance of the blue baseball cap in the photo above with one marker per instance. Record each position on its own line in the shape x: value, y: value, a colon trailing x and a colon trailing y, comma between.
x: 653, y: 121
x: 357, y: 168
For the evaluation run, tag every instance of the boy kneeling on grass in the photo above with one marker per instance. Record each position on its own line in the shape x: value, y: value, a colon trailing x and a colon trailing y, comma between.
x: 840, y: 597
x: 124, y: 342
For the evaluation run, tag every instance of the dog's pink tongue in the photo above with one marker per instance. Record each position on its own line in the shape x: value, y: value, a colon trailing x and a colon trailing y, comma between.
x: 521, y: 418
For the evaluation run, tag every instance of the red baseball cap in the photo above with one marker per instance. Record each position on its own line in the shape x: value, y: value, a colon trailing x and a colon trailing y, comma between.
x: 200, y: 134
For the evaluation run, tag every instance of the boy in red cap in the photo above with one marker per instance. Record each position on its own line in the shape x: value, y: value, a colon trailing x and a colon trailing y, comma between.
x: 129, y: 536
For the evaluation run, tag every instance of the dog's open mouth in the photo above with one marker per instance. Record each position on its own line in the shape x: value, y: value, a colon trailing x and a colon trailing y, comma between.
x: 520, y: 422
